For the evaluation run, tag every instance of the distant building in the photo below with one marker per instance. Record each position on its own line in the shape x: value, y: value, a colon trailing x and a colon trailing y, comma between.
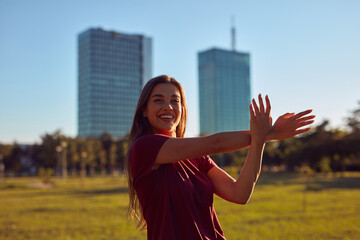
x: 224, y: 90
x: 112, y: 68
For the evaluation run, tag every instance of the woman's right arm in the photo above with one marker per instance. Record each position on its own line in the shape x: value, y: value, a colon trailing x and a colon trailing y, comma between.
x: 176, y: 149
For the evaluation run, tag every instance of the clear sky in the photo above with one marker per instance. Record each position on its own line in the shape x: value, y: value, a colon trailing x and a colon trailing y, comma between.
x: 304, y: 54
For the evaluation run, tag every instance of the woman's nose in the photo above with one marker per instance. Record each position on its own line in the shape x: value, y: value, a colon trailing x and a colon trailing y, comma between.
x: 167, y: 105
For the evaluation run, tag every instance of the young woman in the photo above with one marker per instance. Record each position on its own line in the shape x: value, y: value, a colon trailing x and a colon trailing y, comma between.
x: 172, y: 179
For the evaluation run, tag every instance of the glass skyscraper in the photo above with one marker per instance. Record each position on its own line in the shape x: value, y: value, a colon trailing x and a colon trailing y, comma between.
x: 112, y: 69
x: 224, y: 90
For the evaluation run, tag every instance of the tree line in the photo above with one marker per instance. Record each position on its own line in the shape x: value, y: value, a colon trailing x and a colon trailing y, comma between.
x: 323, y: 149
x: 79, y: 156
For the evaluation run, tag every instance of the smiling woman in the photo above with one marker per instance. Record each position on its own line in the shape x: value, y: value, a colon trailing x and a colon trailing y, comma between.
x: 163, y: 109
x: 172, y: 179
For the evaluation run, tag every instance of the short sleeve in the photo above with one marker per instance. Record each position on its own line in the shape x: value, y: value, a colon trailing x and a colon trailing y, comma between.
x: 206, y: 163
x: 143, y: 154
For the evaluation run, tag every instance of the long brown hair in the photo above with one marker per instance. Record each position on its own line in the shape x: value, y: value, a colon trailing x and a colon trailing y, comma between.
x: 141, y: 127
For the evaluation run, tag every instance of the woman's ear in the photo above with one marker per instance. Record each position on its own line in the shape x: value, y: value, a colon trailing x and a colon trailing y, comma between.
x: 144, y: 113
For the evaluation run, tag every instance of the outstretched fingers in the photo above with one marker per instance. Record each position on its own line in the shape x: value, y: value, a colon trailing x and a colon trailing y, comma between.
x: 287, y: 115
x: 261, y: 103
x: 301, y: 124
x: 303, y: 130
x: 252, y: 114
x: 301, y: 114
x: 255, y: 106
x: 268, y: 105
x: 291, y: 124
x: 303, y: 119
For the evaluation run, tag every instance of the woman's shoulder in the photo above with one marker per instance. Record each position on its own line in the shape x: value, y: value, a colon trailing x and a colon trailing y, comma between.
x: 148, y: 142
x: 146, y: 139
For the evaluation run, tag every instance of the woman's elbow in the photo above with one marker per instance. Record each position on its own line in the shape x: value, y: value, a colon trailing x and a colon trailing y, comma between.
x: 242, y: 198
x: 245, y: 201
x: 242, y: 201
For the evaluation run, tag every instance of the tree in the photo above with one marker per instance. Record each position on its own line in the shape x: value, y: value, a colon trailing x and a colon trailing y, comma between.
x: 93, y: 149
x: 12, y: 161
x: 122, y: 151
x: 48, y: 156
x: 106, y: 140
x: 102, y: 160
x: 353, y: 121
x: 73, y: 155
x: 5, y: 152
x: 112, y: 159
x: 83, y: 153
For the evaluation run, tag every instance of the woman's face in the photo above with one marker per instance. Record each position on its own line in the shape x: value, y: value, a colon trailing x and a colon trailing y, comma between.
x: 163, y: 109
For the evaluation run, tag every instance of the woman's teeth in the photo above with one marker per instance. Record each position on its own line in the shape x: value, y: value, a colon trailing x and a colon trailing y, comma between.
x: 166, y: 117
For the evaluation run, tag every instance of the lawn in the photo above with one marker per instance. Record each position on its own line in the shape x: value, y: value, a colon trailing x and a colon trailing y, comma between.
x: 283, y: 206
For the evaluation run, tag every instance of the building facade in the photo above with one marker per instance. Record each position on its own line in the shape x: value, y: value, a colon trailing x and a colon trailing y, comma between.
x: 112, y: 69
x: 224, y: 90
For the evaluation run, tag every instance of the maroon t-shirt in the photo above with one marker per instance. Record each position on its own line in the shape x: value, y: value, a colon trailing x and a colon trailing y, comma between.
x: 176, y: 198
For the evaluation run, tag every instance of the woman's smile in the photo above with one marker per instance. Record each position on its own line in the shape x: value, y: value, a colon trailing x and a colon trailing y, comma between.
x: 166, y: 117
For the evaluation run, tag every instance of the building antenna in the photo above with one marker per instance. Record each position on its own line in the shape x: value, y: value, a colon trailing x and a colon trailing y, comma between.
x: 233, y: 41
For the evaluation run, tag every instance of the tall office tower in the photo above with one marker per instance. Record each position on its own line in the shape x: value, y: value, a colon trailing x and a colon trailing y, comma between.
x: 112, y: 69
x: 224, y: 90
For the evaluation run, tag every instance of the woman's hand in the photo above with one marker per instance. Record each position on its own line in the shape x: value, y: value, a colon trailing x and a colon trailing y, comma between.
x: 260, y: 120
x: 289, y: 124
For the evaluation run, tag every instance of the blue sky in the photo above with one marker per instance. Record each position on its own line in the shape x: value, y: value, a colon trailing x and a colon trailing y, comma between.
x: 304, y: 54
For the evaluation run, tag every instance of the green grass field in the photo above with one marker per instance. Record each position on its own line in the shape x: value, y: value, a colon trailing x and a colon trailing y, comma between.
x: 283, y: 206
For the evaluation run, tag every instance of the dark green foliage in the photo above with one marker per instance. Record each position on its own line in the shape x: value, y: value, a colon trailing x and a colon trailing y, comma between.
x: 322, y: 149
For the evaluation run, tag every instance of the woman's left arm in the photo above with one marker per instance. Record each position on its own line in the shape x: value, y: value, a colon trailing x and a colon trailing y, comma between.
x: 239, y: 191
x: 287, y: 125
